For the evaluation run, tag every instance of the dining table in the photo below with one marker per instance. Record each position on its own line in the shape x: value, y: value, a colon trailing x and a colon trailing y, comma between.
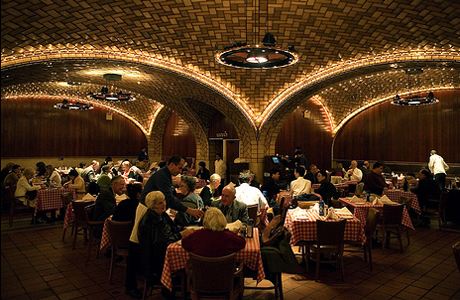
x: 362, y: 209
x: 302, y: 224
x: 50, y: 198
x: 176, y: 259
x: 394, y: 194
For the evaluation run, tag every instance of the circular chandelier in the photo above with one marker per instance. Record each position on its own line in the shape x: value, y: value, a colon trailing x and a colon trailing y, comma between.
x: 65, y: 104
x: 414, y: 99
x: 265, y: 56
x: 106, y: 95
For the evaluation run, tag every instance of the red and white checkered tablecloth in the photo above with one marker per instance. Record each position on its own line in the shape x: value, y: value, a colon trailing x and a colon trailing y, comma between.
x: 393, y: 195
x: 48, y: 199
x: 361, y: 211
x: 305, y: 230
x: 105, y: 239
x: 263, y: 216
x: 176, y: 259
x: 69, y: 216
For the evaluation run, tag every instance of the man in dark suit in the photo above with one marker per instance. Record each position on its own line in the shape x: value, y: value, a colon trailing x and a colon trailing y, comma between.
x: 232, y: 210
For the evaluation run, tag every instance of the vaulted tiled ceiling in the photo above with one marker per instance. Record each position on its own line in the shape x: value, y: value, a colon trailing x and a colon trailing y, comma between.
x: 60, y: 41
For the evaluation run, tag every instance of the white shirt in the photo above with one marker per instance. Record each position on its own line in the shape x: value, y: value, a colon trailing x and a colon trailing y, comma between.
x: 300, y: 186
x: 56, y: 178
x: 221, y: 168
x: 356, y: 174
x: 250, y: 195
x: 437, y: 164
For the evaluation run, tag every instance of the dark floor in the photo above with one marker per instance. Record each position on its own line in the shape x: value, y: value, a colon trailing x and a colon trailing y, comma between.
x: 36, y: 264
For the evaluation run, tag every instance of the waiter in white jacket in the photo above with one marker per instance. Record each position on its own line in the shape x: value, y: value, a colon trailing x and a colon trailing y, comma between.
x: 438, y: 168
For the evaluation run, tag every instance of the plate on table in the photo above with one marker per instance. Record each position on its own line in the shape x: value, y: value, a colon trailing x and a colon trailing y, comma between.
x: 301, y: 219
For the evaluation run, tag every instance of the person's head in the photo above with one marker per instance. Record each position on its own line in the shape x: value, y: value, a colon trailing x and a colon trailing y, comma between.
x: 73, y: 174
x: 49, y: 170
x: 298, y: 153
x: 218, y: 156
x: 155, y: 201
x: 214, y: 181
x: 82, y: 165
x: 321, y: 175
x: 299, y: 172
x: 339, y: 165
x: 228, y: 195
x: 175, y: 164
x: 16, y: 169
x: 144, y: 149
x: 134, y: 191
x: 296, y: 149
x: 275, y: 174
x: 410, y: 174
x: 378, y: 168
x: 135, y: 162
x: 432, y: 152
x: 161, y: 164
x: 28, y: 173
x: 40, y: 166
x: 202, y: 165
x: 126, y: 165
x: 105, y: 169
x: 187, y: 184
x: 108, y: 158
x: 9, y: 166
x: 366, y: 164
x: 313, y: 169
x: 244, y: 177
x: 214, y: 219
x: 95, y: 165
x: 424, y: 173
x: 353, y: 164
x: 118, y: 184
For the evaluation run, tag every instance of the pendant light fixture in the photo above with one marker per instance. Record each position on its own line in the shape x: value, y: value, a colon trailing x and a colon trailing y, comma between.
x: 414, y: 99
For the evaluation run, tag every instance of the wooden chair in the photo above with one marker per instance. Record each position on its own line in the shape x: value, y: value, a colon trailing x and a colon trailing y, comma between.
x: 93, y: 241
x: 390, y: 224
x: 16, y: 206
x: 442, y: 209
x: 407, y: 201
x: 119, y: 233
x: 336, y: 203
x: 183, y: 285
x: 329, y: 241
x: 66, y: 199
x: 371, y: 223
x: 456, y: 250
x: 252, y: 213
x: 214, y: 277
x: 80, y: 225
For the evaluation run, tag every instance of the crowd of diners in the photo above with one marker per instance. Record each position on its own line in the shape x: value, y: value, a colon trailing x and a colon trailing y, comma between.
x: 159, y: 218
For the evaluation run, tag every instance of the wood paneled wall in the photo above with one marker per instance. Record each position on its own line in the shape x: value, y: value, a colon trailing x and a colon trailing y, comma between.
x: 393, y: 133
x: 178, y: 138
x: 31, y: 127
x: 312, y: 134
x: 384, y: 132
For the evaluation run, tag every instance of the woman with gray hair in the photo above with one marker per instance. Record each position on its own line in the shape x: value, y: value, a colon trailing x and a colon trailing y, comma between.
x: 208, y: 193
x: 27, y: 193
x: 213, y: 240
x: 187, y: 188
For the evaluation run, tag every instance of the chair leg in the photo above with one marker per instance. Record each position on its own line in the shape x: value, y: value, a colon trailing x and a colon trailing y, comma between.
x: 407, y: 234
x: 400, y: 239
x: 280, y: 285
x: 63, y: 234
x: 340, y: 257
x: 75, y: 237
x: 112, y: 261
x: 90, y: 245
x: 369, y: 252
x: 317, y: 265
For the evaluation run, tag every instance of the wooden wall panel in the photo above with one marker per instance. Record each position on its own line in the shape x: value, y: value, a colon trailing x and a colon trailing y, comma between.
x: 31, y: 127
x: 178, y: 138
x: 392, y: 133
x: 312, y: 135
x: 221, y: 124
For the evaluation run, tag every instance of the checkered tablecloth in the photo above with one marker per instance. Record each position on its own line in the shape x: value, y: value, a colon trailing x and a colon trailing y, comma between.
x: 48, y: 199
x: 176, y: 259
x: 105, y: 239
x: 393, y: 195
x: 305, y: 230
x: 361, y: 211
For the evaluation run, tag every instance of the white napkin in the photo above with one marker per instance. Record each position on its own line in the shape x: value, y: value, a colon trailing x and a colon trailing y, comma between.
x: 331, y: 215
x: 386, y: 200
x: 315, y: 207
x: 121, y: 197
x: 344, y: 213
x: 377, y: 202
x: 88, y: 197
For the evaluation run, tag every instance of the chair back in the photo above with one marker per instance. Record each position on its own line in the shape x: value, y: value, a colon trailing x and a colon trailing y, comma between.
x: 407, y: 201
x: 66, y: 198
x: 360, y: 188
x: 352, y: 188
x: 330, y: 233
x: 372, y: 219
x: 392, y: 214
x: 79, y: 211
x: 252, y: 211
x: 444, y: 198
x: 189, y: 204
x: 456, y: 250
x: 119, y: 233
x: 212, y: 274
x: 336, y: 203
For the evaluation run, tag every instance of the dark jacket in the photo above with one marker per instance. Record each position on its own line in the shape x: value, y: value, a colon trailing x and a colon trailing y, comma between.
x: 327, y: 190
x: 312, y: 177
x: 161, y: 181
x: 239, y: 210
x: 374, y: 183
x: 126, y: 210
x: 427, y: 189
x: 155, y: 234
x: 271, y: 188
x: 203, y: 174
x: 206, y: 195
x: 104, y: 207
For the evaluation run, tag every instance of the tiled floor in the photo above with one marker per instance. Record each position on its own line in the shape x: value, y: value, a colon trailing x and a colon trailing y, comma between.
x: 36, y: 264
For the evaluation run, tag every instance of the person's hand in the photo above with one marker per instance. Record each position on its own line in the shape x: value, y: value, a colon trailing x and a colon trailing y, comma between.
x: 197, y: 213
x: 186, y: 232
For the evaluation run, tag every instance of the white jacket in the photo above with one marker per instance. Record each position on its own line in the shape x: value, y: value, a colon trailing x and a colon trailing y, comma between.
x: 437, y: 164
